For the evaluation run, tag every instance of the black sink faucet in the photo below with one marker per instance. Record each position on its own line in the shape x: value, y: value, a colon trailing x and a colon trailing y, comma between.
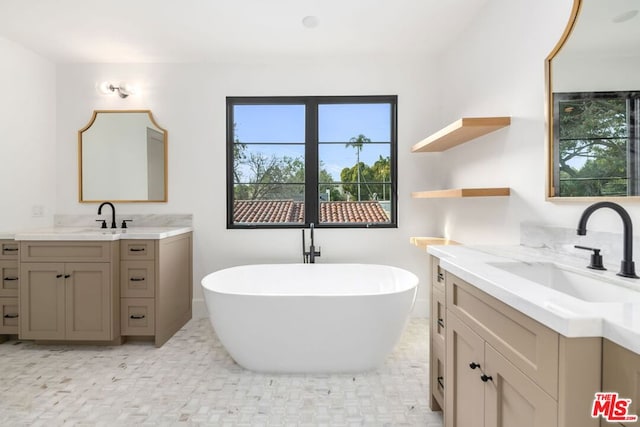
x: 310, y: 256
x: 113, y: 213
x: 627, y: 268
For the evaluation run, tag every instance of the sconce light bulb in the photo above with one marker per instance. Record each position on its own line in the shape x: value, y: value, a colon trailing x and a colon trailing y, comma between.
x: 105, y: 88
x: 125, y: 90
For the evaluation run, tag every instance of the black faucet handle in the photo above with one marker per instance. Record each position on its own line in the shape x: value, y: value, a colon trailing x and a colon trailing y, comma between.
x: 124, y: 223
x: 596, y: 258
x: 103, y: 221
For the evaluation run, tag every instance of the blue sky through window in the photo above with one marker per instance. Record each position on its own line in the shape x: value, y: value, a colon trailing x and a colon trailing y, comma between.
x: 338, y: 123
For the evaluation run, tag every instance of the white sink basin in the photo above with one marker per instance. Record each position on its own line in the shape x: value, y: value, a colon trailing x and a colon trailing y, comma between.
x: 581, y: 286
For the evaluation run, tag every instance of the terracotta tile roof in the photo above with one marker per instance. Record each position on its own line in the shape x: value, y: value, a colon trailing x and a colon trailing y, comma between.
x: 268, y: 211
x: 340, y: 212
x: 289, y: 211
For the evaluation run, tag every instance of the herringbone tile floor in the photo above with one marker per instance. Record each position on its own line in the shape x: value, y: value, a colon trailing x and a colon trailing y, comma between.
x: 192, y: 381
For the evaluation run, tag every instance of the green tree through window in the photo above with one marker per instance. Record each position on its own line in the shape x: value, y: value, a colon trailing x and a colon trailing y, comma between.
x: 596, y: 143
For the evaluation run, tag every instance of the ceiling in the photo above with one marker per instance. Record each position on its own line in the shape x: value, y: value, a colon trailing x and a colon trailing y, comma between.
x: 178, y: 31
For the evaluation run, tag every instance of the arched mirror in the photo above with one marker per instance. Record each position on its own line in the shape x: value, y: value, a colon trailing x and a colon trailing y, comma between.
x: 593, y: 94
x: 122, y: 157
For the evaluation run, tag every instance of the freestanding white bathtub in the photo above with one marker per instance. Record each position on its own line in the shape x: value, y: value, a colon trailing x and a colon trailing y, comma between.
x: 309, y: 318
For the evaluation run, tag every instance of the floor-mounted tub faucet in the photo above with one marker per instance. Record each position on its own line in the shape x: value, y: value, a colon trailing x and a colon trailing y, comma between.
x: 627, y: 268
x: 309, y: 256
x: 113, y: 213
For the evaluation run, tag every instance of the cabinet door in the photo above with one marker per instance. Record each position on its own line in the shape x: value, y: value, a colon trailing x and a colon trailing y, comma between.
x: 512, y: 399
x: 621, y: 374
x: 88, y: 301
x: 42, y: 301
x: 464, y: 390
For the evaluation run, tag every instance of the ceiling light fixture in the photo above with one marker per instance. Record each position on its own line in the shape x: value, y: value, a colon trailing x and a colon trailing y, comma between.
x: 123, y: 89
x: 310, y: 21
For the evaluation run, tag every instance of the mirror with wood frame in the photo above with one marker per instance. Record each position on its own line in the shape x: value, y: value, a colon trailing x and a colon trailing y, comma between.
x: 593, y: 103
x: 122, y: 156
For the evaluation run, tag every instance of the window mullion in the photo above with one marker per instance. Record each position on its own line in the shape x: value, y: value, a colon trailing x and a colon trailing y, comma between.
x: 634, y: 145
x: 311, y: 163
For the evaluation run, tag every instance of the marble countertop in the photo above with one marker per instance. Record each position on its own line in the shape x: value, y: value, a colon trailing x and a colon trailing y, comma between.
x: 570, y: 316
x: 86, y: 233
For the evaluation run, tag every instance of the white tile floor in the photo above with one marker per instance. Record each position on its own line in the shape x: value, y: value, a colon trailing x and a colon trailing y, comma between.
x: 192, y: 381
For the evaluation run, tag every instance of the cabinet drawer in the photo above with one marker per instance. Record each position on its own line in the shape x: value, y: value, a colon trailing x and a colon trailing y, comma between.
x: 437, y: 274
x: 9, y: 278
x: 137, y: 279
x: 9, y: 249
x: 529, y: 345
x: 438, y: 314
x: 137, y: 249
x: 50, y: 251
x: 9, y: 313
x: 137, y: 316
x: 437, y: 373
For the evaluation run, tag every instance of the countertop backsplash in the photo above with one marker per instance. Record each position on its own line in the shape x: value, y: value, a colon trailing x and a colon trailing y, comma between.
x: 138, y: 220
x: 563, y: 239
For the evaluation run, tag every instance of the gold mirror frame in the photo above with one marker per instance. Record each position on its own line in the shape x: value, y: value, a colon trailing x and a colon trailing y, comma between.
x: 549, y: 188
x: 165, y: 191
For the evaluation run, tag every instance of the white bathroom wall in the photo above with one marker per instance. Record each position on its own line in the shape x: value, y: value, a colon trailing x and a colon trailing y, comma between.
x: 497, y: 68
x: 27, y: 138
x: 189, y: 101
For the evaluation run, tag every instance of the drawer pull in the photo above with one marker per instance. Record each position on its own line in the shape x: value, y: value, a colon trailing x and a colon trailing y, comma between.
x: 10, y: 278
x: 11, y: 316
x: 137, y: 316
x: 10, y: 250
x: 440, y: 277
x: 441, y: 381
x: 137, y: 279
x: 136, y: 249
x: 474, y: 365
x: 441, y: 323
x: 486, y: 378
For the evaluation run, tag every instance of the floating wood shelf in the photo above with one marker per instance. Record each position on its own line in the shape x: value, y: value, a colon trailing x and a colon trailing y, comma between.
x: 423, y: 242
x: 462, y: 192
x: 459, y: 132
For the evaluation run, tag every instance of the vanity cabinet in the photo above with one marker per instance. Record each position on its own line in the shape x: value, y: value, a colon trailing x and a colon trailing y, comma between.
x: 9, y: 286
x: 621, y: 374
x: 502, y: 368
x: 156, y: 286
x: 69, y: 290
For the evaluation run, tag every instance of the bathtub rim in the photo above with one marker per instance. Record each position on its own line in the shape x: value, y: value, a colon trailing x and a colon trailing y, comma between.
x: 412, y: 277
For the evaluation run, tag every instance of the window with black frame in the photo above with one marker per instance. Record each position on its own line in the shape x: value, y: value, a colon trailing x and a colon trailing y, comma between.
x: 292, y: 161
x: 596, y: 144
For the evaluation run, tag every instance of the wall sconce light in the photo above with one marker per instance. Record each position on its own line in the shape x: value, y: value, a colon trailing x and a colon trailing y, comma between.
x: 123, y: 89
